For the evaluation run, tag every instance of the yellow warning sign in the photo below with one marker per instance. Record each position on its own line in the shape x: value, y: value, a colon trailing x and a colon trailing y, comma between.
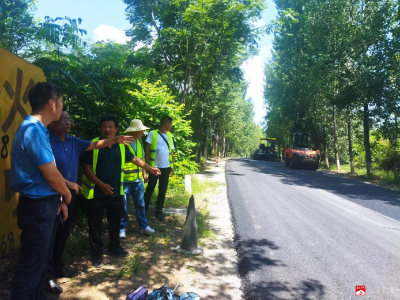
x: 17, y: 77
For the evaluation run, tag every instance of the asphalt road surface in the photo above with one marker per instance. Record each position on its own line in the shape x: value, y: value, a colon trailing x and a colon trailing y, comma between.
x: 309, y: 235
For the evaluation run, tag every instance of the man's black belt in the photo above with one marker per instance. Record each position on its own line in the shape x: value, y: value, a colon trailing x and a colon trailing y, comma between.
x: 47, y: 198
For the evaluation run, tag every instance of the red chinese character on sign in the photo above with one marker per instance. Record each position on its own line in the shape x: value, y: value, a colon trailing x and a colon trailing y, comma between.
x: 360, y: 290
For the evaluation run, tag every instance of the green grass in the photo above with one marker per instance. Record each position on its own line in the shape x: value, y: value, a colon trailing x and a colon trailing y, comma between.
x: 203, y: 225
x: 201, y: 186
x: 151, y: 242
x: 378, y: 176
x: 77, y: 246
x: 154, y: 258
x: 177, y: 196
x: 132, y: 266
x: 141, y: 248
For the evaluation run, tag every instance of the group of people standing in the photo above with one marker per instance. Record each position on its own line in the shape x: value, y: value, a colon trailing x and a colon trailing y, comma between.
x: 44, y: 171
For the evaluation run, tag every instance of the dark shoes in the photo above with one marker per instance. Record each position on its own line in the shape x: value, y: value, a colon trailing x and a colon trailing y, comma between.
x: 160, y: 217
x: 118, y: 252
x: 66, y: 273
x: 53, y: 287
x: 97, y: 261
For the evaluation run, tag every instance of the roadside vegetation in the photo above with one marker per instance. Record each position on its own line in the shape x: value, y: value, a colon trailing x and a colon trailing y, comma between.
x: 189, y: 70
x: 379, y: 177
x: 334, y: 73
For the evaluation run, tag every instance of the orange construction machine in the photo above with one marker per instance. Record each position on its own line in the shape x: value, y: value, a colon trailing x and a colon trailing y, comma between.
x: 301, y: 155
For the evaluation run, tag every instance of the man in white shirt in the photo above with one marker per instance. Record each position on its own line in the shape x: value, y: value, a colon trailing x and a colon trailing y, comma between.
x: 159, y: 153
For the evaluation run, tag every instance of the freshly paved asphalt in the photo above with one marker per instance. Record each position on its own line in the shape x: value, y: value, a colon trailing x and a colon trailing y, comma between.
x: 309, y: 235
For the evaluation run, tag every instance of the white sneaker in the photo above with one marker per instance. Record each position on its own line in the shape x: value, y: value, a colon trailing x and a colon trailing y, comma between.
x: 148, y: 230
x: 122, y: 233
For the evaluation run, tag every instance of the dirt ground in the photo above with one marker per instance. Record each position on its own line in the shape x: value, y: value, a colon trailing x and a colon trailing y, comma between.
x: 152, y: 262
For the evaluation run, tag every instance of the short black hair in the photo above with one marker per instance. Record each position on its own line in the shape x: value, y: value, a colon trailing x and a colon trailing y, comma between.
x: 109, y: 118
x: 165, y: 119
x: 41, y: 93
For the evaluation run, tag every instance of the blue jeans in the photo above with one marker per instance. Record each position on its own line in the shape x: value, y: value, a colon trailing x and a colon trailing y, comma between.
x: 135, y: 189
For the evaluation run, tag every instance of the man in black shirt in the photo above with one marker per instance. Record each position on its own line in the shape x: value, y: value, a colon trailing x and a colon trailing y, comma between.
x: 102, y: 185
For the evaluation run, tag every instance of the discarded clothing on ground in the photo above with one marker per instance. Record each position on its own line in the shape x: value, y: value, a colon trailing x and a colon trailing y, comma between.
x: 139, y: 294
x: 163, y: 293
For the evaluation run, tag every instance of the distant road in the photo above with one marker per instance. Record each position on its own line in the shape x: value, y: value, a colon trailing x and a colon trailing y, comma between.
x: 310, y: 235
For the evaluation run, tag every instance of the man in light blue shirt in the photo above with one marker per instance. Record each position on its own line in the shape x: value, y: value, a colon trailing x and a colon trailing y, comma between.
x: 41, y: 186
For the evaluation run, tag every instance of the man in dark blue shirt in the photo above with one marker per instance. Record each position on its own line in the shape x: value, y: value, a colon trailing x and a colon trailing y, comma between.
x: 103, y: 186
x: 67, y: 150
x: 41, y: 186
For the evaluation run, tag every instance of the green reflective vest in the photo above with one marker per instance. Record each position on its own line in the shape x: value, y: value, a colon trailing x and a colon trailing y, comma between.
x: 154, y: 145
x: 88, y: 186
x: 132, y: 171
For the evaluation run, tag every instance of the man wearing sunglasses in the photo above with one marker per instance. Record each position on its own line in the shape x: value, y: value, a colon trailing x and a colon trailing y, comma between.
x: 67, y: 150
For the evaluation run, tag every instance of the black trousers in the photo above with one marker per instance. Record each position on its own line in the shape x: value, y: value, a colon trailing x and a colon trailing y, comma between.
x: 114, y: 207
x: 162, y: 189
x: 61, y: 232
x: 35, y: 217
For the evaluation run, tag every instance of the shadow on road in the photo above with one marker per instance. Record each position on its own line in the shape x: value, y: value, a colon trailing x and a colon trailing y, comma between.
x: 276, y: 290
x: 228, y: 173
x: 253, y: 255
x: 344, y: 187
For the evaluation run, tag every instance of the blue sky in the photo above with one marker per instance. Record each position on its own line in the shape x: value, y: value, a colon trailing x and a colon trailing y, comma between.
x: 104, y: 19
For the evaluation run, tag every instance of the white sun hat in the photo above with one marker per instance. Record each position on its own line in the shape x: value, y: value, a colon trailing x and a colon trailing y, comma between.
x: 136, y: 125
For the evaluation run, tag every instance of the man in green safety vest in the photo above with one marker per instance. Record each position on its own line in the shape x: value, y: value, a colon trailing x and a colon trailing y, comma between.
x: 133, y: 181
x: 103, y: 186
x: 159, y: 153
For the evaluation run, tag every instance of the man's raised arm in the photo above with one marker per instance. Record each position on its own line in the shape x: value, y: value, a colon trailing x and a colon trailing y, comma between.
x: 122, y: 139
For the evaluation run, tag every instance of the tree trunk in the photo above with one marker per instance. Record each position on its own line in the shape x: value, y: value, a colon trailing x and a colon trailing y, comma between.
x: 198, y: 152
x: 336, y: 140
x: 352, y: 171
x: 198, y: 147
x: 395, y: 149
x: 366, y: 141
x: 224, y: 146
x: 326, y: 143
x: 326, y: 153
x: 216, y: 145
x: 206, y: 144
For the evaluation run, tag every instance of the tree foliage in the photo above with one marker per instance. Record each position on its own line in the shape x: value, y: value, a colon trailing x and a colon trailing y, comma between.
x: 194, y: 46
x: 183, y: 60
x: 334, y: 69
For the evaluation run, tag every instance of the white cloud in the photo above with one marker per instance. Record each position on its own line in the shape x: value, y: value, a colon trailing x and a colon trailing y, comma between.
x: 106, y: 32
x: 254, y: 74
x: 259, y: 23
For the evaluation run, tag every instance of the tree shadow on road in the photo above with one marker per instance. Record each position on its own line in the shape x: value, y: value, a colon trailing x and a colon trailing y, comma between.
x: 228, y: 172
x: 254, y: 255
x: 276, y: 290
x: 344, y: 187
